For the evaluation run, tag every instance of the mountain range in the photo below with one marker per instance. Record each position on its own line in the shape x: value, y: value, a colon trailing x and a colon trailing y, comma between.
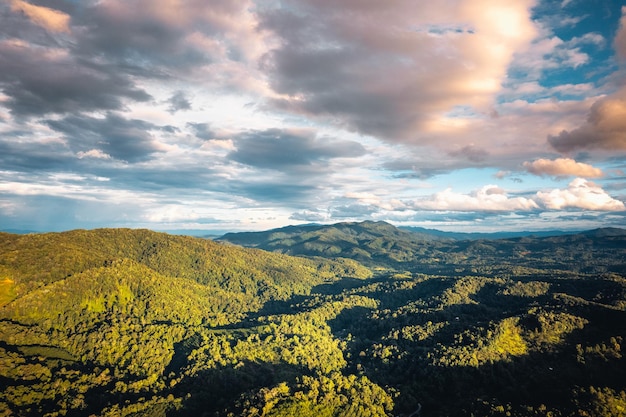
x: 381, y: 244
x: 353, y: 319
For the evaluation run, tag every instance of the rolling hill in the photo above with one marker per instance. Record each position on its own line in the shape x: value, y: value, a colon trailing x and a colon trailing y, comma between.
x: 369, y: 242
x: 122, y: 322
x: 380, y: 244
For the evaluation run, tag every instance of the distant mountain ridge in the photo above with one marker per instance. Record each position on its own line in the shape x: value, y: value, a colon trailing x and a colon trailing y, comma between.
x: 363, y: 241
x: 382, y: 244
x: 130, y: 322
x: 488, y: 235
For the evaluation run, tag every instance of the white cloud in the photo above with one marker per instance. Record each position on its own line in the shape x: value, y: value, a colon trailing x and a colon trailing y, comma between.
x: 374, y: 200
x: 93, y: 153
x: 488, y: 198
x: 580, y: 194
x: 562, y: 167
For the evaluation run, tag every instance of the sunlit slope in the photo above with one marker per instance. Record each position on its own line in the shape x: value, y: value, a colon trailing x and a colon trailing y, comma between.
x: 136, y: 323
x: 119, y: 322
x: 28, y: 262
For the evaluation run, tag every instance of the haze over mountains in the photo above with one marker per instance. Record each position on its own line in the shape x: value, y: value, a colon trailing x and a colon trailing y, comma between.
x: 368, y: 320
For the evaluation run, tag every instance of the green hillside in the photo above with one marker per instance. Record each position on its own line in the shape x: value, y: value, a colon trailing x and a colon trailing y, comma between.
x: 29, y: 262
x: 120, y: 322
x: 373, y: 243
x: 380, y: 244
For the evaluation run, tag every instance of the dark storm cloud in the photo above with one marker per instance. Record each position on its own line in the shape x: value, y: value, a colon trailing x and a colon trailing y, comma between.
x: 66, y: 213
x: 120, y: 138
x: 291, y: 150
x: 61, y: 212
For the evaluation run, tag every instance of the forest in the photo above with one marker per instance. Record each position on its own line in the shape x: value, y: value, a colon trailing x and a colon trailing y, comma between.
x: 352, y: 319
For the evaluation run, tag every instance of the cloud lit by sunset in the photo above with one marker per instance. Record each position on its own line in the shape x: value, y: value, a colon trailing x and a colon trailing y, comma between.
x: 243, y: 114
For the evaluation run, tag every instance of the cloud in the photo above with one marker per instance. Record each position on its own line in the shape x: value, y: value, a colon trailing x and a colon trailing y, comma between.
x: 202, y: 130
x: 604, y: 129
x: 353, y: 211
x: 40, y: 81
x: 93, y: 153
x: 420, y: 62
x: 620, y: 38
x: 370, y: 199
x: 178, y: 102
x: 562, y: 167
x: 310, y: 216
x: 581, y: 194
x: 115, y: 46
x: 471, y: 153
x: 175, y: 103
x: 276, y: 192
x: 287, y: 150
x: 32, y: 156
x: 171, y: 38
x: 488, y: 198
x: 113, y: 135
x: 50, y: 19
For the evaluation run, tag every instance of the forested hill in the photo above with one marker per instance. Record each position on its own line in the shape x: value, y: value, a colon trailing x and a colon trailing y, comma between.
x: 31, y: 262
x: 486, y: 235
x: 120, y: 322
x: 371, y: 242
x: 382, y: 244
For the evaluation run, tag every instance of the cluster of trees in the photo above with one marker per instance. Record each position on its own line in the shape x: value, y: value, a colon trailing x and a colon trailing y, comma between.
x: 137, y: 323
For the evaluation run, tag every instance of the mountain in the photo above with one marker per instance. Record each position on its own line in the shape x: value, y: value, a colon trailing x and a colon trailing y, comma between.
x: 608, y: 232
x: 46, y: 258
x: 121, y: 322
x: 368, y: 242
x: 379, y: 244
x: 490, y: 236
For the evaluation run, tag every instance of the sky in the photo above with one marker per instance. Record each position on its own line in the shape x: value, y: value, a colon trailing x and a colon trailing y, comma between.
x: 229, y: 115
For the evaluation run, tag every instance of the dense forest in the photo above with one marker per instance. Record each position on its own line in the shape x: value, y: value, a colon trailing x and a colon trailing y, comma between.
x: 366, y: 320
